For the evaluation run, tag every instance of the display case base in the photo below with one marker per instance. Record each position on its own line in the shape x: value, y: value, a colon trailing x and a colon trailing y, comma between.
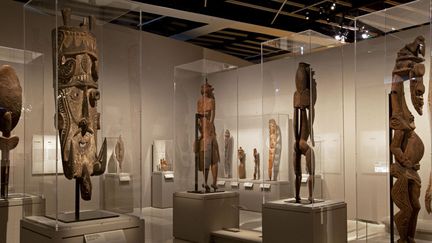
x: 324, y: 222
x: 121, y: 229
x: 252, y: 193
x: 162, y: 189
x: 195, y: 216
x: 118, y: 192
x: 13, y: 209
x: 241, y: 236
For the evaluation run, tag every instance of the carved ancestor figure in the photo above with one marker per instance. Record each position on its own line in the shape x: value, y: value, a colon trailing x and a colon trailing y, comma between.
x: 257, y: 173
x: 163, y: 165
x: 77, y: 94
x: 228, y: 153
x: 207, y: 142
x: 275, y: 145
x: 10, y: 112
x: 242, y: 166
x: 304, y: 102
x: 406, y: 146
x: 120, y: 152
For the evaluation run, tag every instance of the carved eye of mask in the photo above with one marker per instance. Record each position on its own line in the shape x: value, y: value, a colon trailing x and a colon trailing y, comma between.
x: 94, y: 97
x: 66, y: 68
x: 75, y: 94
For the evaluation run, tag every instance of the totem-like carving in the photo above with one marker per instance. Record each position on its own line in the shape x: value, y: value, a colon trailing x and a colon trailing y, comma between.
x: 208, y: 148
x: 406, y: 146
x: 76, y: 91
x: 242, y: 166
x: 10, y: 112
x: 228, y: 153
x: 275, y: 146
x: 305, y: 98
x: 257, y: 171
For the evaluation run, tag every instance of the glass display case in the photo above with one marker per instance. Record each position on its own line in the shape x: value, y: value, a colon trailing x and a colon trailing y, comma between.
x: 306, y: 84
x: 190, y: 82
x: 392, y: 70
x: 304, y: 164
x: 83, y: 119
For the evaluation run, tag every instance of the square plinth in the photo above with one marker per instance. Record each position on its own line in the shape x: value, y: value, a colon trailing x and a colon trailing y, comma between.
x: 323, y: 222
x: 124, y: 228
x: 195, y: 216
x: 13, y: 209
x: 162, y: 189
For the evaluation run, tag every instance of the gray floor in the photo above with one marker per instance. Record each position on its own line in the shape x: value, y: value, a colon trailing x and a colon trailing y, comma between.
x: 158, y: 227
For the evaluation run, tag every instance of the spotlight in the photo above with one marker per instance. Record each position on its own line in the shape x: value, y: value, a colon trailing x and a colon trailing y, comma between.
x: 338, y: 37
x: 364, y: 35
x: 307, y: 16
x: 333, y: 6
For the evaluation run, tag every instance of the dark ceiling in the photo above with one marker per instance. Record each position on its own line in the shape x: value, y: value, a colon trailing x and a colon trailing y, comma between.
x: 328, y: 17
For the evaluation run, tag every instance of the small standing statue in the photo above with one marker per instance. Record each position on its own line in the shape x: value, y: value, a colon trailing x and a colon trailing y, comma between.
x: 274, y: 150
x: 120, y: 152
x: 207, y: 142
x: 406, y: 146
x: 242, y: 166
x: 257, y: 173
x: 10, y: 112
x: 304, y: 106
x: 228, y: 153
x: 76, y: 92
x: 163, y: 165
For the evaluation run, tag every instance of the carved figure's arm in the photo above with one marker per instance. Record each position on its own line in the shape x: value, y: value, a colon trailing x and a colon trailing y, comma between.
x: 396, y: 150
x: 428, y: 197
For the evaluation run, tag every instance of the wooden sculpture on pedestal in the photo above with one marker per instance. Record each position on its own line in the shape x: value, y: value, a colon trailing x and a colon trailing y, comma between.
x: 75, y: 57
x: 304, y: 102
x: 10, y: 112
x: 206, y: 146
x: 275, y: 145
x: 406, y: 146
x: 228, y: 153
x: 257, y: 172
x: 242, y: 166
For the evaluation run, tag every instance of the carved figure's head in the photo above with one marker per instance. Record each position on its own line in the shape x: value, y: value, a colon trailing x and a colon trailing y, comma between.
x: 10, y: 100
x: 77, y: 95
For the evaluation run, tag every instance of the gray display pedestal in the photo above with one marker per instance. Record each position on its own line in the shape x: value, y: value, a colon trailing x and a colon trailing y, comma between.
x: 195, y: 216
x: 252, y: 193
x: 242, y: 236
x: 162, y: 189
x: 324, y: 222
x: 122, y: 229
x: 13, y: 209
x: 118, y: 193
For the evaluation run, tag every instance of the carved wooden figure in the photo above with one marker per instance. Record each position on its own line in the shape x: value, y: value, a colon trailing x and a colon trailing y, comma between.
x: 76, y: 91
x: 257, y: 172
x: 406, y: 146
x: 304, y: 103
x: 120, y: 152
x: 275, y: 146
x: 228, y: 153
x: 242, y: 166
x: 10, y: 112
x: 207, y: 142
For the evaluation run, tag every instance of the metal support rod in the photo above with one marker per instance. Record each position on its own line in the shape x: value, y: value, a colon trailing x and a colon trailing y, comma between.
x: 196, y: 152
x: 77, y: 199
x: 391, y: 177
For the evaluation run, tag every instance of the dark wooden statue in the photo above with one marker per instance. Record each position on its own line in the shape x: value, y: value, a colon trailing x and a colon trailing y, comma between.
x: 207, y: 145
x: 76, y: 91
x: 406, y: 146
x: 10, y: 112
x: 304, y: 102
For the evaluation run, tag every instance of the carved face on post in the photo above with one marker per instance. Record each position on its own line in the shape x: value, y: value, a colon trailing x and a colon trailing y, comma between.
x: 77, y: 95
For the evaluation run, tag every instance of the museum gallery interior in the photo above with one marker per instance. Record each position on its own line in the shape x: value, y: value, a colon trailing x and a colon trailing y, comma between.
x: 215, y: 121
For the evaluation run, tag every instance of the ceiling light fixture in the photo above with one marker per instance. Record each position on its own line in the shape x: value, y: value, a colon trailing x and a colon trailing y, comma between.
x: 333, y: 6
